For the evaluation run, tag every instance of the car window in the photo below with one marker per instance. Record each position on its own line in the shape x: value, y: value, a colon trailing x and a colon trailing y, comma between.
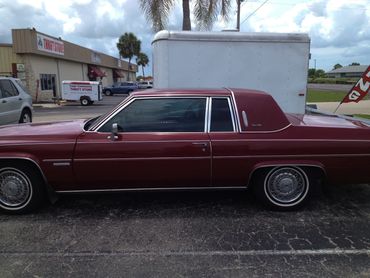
x: 161, y: 115
x: 221, y: 115
x: 8, y: 89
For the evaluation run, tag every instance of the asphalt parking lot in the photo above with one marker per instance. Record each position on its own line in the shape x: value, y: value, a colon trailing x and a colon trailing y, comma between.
x: 186, y: 234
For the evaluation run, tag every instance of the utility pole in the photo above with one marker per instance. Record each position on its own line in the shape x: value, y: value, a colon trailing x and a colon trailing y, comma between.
x: 238, y: 16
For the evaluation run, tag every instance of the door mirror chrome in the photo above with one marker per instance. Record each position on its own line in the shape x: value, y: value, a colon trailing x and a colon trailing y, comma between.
x: 114, y: 134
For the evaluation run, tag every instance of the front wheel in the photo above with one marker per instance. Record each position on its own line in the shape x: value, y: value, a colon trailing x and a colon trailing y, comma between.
x: 21, y: 189
x: 283, y: 188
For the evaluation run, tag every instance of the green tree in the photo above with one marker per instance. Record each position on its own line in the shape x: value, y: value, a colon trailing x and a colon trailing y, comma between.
x: 311, y: 73
x: 354, y: 64
x: 337, y: 66
x: 205, y: 12
x: 319, y: 73
x: 128, y: 46
x: 142, y: 60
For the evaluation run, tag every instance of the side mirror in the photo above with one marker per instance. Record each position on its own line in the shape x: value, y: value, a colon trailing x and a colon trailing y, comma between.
x: 114, y: 134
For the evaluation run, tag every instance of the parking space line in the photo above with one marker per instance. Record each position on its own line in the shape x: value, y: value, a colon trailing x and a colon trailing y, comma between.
x: 196, y: 253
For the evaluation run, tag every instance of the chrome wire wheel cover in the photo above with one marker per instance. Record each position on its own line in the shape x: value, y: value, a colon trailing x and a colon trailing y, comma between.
x: 286, y: 186
x: 15, y: 189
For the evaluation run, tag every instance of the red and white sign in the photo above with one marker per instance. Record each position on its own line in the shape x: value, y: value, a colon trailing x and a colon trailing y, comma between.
x: 50, y: 45
x: 360, y: 90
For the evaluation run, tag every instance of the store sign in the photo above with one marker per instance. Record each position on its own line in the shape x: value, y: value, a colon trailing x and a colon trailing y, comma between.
x: 50, y: 45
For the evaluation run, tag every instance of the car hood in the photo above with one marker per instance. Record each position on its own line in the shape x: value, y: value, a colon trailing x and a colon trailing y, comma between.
x: 54, y: 130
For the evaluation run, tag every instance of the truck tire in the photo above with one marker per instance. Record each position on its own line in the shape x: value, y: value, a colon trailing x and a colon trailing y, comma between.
x: 85, y: 101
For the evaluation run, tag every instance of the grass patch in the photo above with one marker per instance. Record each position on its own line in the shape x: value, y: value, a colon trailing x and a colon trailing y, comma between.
x: 365, y: 116
x: 324, y: 96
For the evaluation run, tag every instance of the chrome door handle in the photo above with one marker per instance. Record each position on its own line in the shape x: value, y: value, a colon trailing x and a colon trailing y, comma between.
x: 202, y: 144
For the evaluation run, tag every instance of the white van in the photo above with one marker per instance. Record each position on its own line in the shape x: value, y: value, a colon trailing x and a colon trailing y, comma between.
x: 84, y: 91
x: 15, y: 102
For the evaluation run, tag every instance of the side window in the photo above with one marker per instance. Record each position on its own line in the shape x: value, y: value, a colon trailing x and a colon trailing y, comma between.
x: 221, y: 115
x: 161, y: 115
x: 8, y: 89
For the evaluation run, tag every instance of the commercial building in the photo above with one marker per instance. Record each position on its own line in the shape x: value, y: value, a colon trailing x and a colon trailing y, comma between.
x: 42, y: 62
x: 347, y: 72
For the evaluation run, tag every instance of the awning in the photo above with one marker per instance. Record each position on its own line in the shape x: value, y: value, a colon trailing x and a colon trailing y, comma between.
x: 118, y: 73
x: 96, y: 72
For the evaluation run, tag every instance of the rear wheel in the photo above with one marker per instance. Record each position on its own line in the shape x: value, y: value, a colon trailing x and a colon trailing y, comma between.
x: 21, y: 188
x: 85, y: 101
x: 283, y: 188
x: 26, y: 116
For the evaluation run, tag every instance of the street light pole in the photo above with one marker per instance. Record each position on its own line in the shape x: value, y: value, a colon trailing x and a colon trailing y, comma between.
x: 238, y: 16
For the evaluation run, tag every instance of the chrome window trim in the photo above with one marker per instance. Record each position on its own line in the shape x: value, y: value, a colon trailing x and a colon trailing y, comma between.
x: 230, y: 111
x: 235, y: 110
x: 209, y: 114
x: 124, y: 105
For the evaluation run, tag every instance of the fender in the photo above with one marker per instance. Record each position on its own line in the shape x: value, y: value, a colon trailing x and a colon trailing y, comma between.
x: 35, y: 161
x: 294, y: 163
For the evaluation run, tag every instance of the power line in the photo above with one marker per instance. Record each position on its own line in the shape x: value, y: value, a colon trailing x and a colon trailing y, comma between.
x: 254, y: 12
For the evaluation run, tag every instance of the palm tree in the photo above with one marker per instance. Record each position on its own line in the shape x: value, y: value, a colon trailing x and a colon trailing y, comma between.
x: 128, y: 46
x: 205, y: 12
x: 142, y: 60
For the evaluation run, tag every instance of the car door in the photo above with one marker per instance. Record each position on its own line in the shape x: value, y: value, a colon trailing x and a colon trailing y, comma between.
x: 10, y: 102
x: 160, y: 143
x: 229, y: 167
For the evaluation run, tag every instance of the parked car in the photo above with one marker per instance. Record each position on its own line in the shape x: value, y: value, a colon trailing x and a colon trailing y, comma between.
x: 184, y: 139
x: 120, y: 88
x: 15, y: 102
x: 145, y: 84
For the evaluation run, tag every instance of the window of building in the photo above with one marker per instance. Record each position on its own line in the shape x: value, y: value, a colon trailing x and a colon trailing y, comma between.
x: 221, y: 119
x: 161, y: 115
x: 47, y: 82
x: 7, y: 89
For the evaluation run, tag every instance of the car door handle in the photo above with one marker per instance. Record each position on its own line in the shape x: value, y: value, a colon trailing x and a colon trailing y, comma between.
x: 20, y: 98
x: 202, y: 144
x: 4, y: 101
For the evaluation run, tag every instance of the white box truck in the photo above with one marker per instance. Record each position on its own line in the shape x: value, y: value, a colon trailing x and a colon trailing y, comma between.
x: 84, y: 91
x: 276, y: 63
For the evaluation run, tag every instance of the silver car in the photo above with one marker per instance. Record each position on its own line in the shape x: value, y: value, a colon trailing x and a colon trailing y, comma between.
x: 15, y: 102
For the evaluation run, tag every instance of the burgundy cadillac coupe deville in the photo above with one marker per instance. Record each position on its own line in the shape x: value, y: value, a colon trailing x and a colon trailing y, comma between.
x: 188, y: 139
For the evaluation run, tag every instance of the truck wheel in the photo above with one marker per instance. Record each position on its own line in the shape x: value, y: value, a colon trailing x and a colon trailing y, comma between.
x: 26, y: 116
x: 21, y: 189
x: 85, y: 101
x: 283, y: 188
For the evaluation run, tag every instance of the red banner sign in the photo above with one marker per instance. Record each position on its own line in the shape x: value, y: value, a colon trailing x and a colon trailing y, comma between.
x: 360, y: 90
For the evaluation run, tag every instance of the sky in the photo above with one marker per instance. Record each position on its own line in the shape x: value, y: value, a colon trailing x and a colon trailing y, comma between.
x: 339, y: 29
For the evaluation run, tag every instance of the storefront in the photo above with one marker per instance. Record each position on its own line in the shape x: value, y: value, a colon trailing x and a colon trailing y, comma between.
x: 42, y: 62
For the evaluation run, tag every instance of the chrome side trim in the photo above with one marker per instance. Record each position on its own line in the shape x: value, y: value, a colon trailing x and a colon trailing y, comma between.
x: 140, y: 159
x: 155, y: 189
x: 291, y: 140
x: 38, y: 143
x: 61, y: 164
x: 292, y: 155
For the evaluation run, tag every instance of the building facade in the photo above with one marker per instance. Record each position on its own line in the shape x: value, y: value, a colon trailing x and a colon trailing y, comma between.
x: 42, y: 62
x: 347, y: 72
